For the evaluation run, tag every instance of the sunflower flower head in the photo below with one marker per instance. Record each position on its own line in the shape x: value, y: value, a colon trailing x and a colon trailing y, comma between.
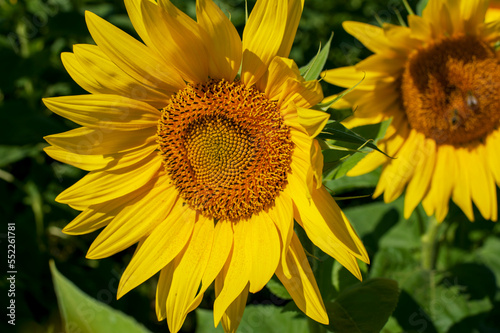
x: 204, y: 168
x: 439, y: 81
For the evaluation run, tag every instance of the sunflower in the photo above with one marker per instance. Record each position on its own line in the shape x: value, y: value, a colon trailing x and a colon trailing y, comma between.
x: 439, y: 81
x: 203, y: 164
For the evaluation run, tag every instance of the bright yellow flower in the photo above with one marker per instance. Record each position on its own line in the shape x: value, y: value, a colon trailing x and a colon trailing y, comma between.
x: 204, y: 168
x: 439, y: 81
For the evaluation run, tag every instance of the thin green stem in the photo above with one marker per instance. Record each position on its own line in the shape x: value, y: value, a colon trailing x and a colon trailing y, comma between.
x: 429, y: 256
x: 408, y: 8
x: 421, y: 219
x: 429, y: 244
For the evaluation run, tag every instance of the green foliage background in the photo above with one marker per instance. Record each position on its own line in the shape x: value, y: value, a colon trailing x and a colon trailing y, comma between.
x: 443, y: 278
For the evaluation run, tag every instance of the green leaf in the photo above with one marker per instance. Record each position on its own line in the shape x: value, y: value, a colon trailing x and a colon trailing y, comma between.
x: 338, y: 161
x: 448, y: 305
x: 339, y: 114
x: 373, y: 132
x: 275, y: 286
x: 382, y: 218
x: 12, y: 154
x: 421, y: 6
x: 338, y: 168
x: 313, y: 69
x: 346, y: 184
x: 257, y: 318
x: 326, y: 105
x: 363, y: 308
x: 81, y: 313
x: 338, y: 132
x: 270, y: 319
x: 488, y: 254
x: 205, y: 322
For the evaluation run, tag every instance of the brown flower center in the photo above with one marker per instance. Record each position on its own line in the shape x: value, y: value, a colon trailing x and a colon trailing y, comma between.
x: 450, y: 90
x: 226, y: 148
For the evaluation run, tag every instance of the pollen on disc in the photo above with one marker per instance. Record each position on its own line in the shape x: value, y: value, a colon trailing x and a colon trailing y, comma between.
x: 450, y: 90
x: 226, y: 148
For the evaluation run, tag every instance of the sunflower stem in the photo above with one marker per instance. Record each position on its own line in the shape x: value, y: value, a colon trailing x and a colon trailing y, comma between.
x: 408, y: 8
x: 429, y: 244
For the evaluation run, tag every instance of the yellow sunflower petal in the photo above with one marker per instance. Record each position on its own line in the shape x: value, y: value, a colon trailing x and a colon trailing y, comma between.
x: 393, y: 145
x: 221, y: 249
x: 424, y: 170
x: 399, y: 171
x: 88, y: 221
x: 431, y: 14
x: 301, y: 161
x: 134, y: 13
x: 350, y: 76
x: 295, y: 8
x: 317, y: 163
x: 370, y: 162
x: 106, y: 78
x: 262, y: 38
x: 177, y: 38
x: 88, y: 141
x: 164, y: 243
x: 285, y: 84
x: 235, y: 276
x: 445, y: 20
x: 373, y: 106
x: 402, y: 40
x: 130, y: 157
x: 443, y: 180
x: 97, y: 216
x: 282, y: 215
x: 162, y: 289
x: 491, y: 30
x: 132, y: 56
x: 183, y: 279
x: 462, y: 191
x: 453, y: 9
x: 312, y: 120
x: 371, y: 36
x: 232, y: 317
x: 492, y: 144
x: 420, y: 28
x: 473, y: 14
x: 225, y: 43
x: 136, y: 218
x: 301, y: 284
x: 100, y: 186
x: 493, y: 12
x: 109, y: 111
x: 84, y: 162
x: 383, y: 64
x: 264, y: 250
x: 482, y: 183
x: 80, y: 74
x: 327, y: 227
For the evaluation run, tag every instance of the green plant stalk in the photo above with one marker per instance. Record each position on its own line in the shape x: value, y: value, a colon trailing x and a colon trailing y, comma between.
x: 429, y: 256
x: 429, y: 244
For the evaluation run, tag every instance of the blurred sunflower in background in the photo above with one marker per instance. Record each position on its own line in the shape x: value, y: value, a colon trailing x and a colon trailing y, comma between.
x: 439, y: 81
x: 200, y: 147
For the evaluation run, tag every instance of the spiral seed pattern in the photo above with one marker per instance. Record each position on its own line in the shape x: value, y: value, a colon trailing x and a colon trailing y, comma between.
x: 226, y: 148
